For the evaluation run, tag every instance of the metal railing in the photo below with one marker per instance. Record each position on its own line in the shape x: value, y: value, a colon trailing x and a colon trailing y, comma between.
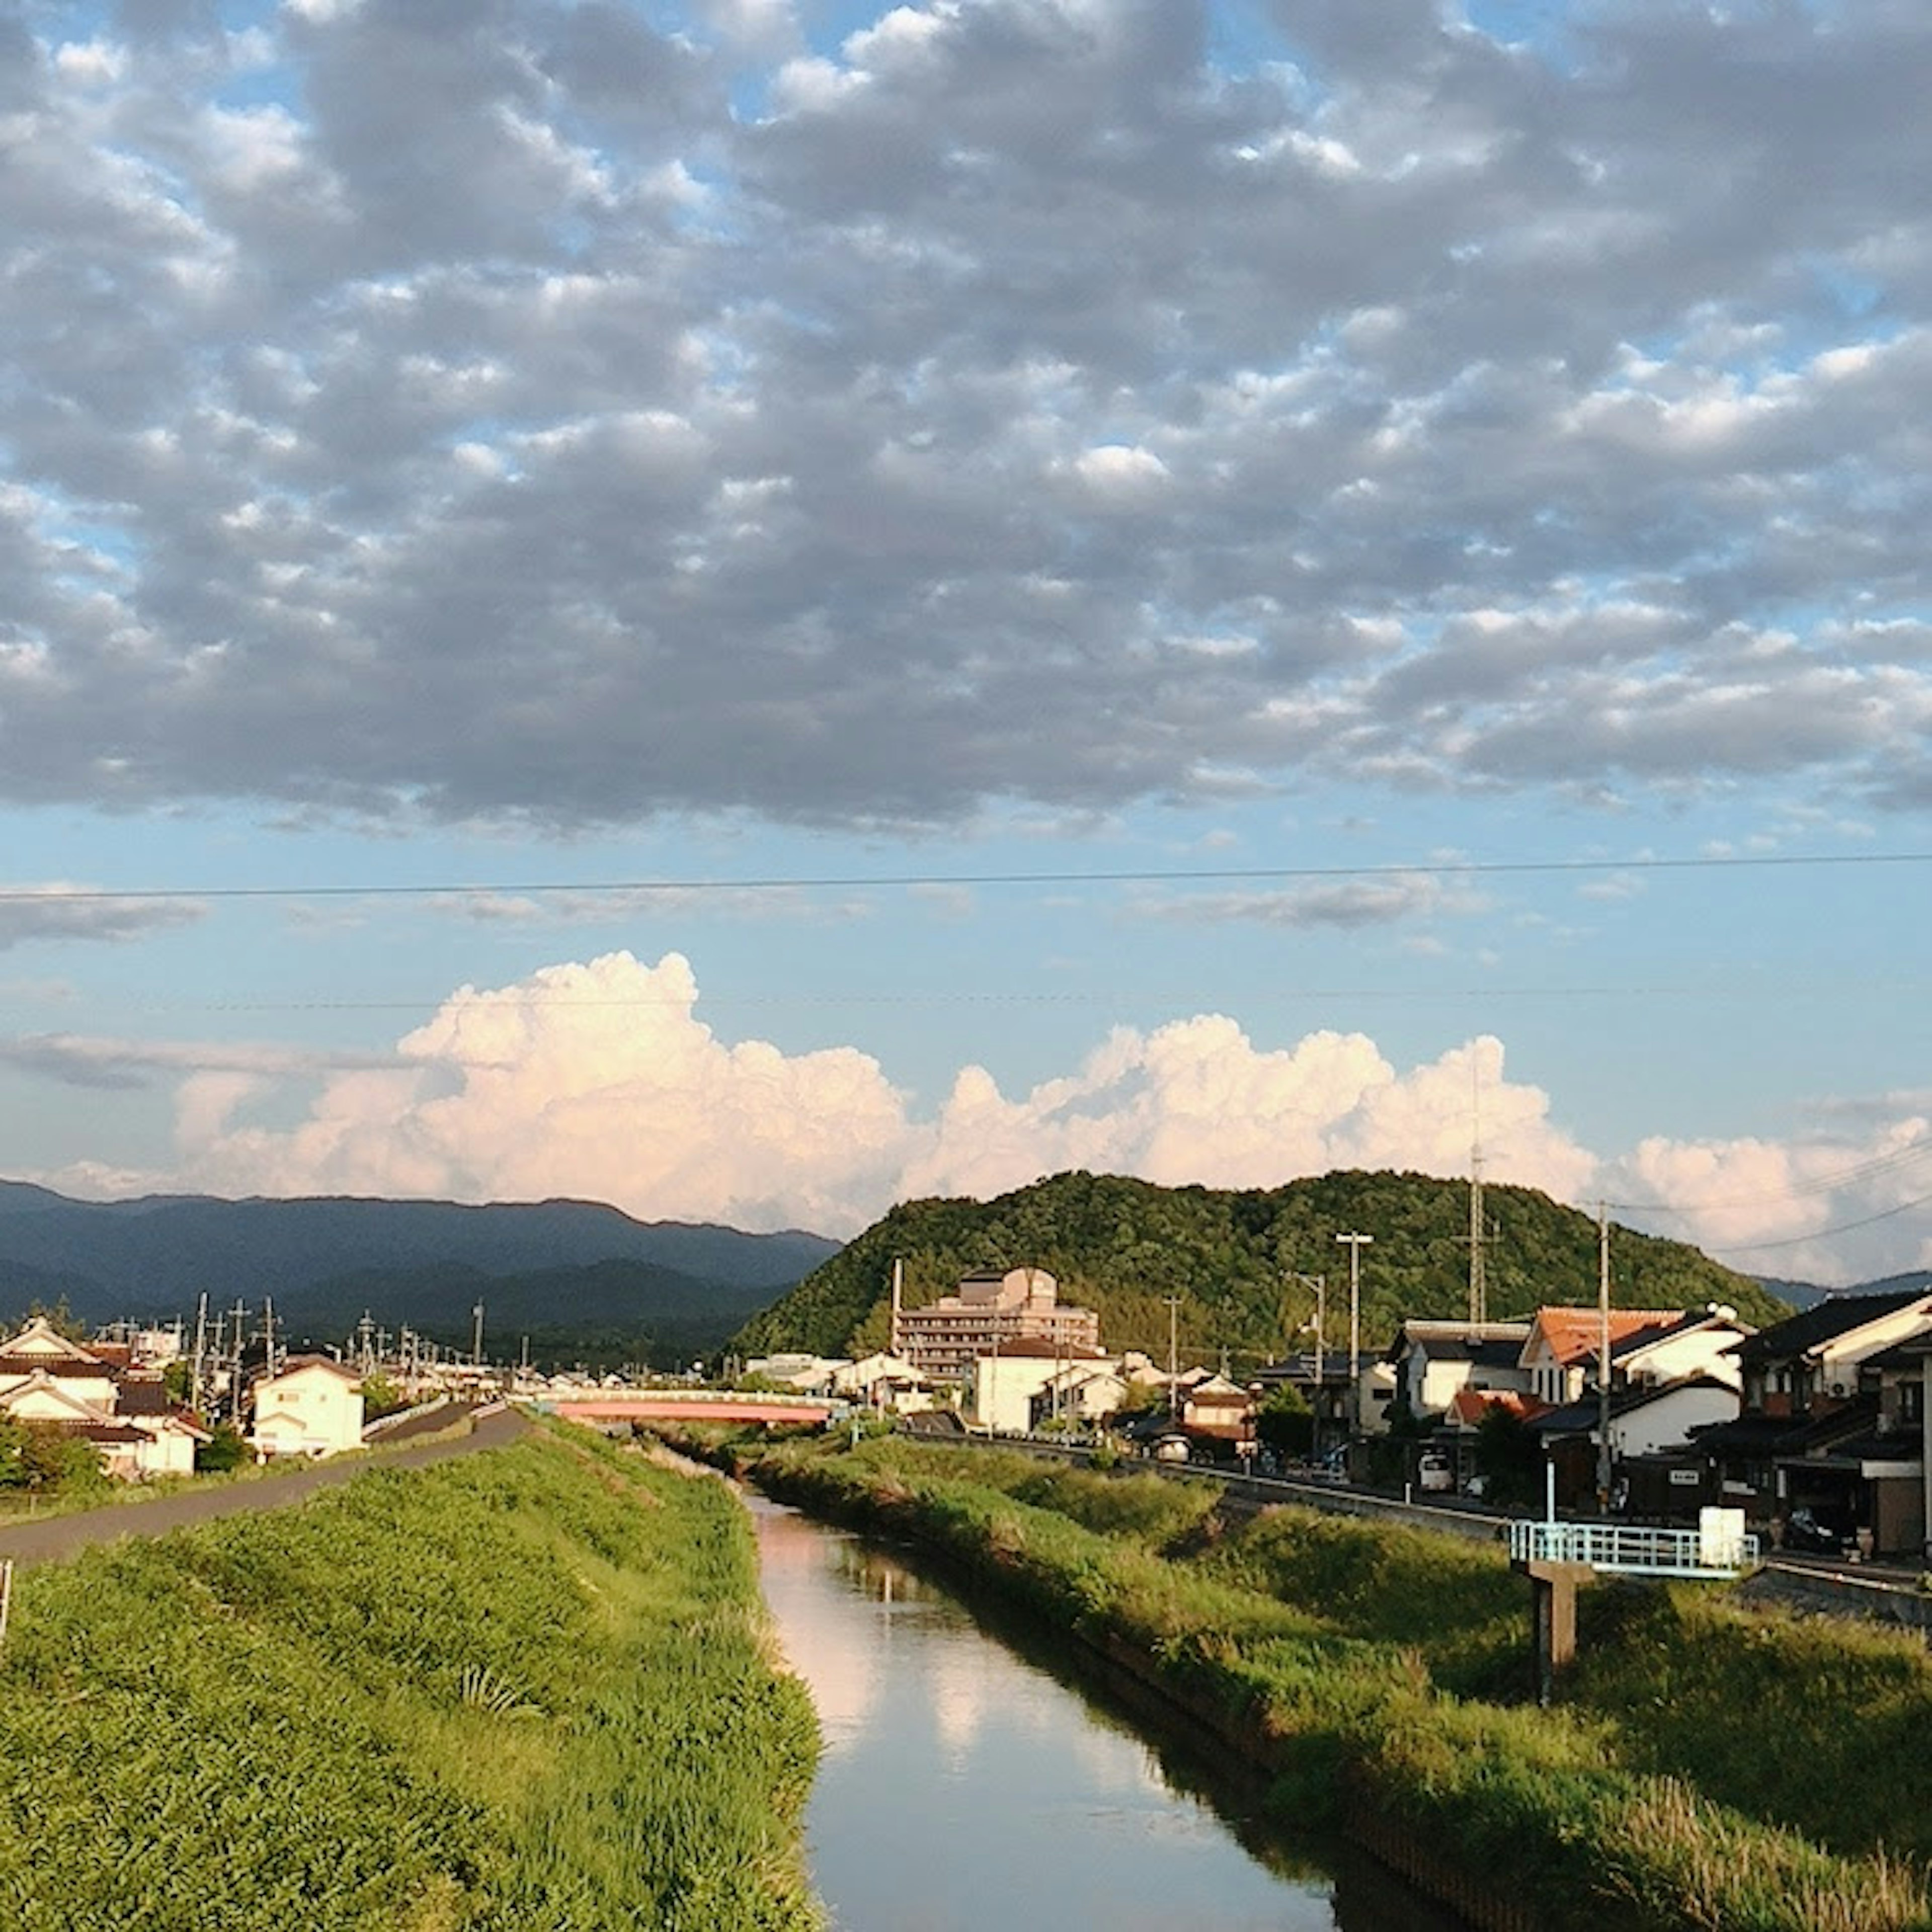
x: 1712, y: 1551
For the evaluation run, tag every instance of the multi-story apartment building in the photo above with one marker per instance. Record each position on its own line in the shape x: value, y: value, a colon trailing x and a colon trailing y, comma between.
x: 987, y: 1312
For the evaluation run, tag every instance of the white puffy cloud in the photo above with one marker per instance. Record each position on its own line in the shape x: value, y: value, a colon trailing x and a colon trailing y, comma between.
x: 598, y: 1080
x: 1831, y: 1205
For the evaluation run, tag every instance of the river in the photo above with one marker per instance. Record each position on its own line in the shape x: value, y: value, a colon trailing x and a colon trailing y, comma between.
x: 966, y: 1787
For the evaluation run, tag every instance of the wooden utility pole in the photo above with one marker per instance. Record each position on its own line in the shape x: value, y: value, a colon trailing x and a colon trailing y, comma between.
x: 1355, y: 1244
x: 1603, y: 1468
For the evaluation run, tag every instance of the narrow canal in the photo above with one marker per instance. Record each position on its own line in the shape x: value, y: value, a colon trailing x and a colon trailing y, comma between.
x: 965, y: 1787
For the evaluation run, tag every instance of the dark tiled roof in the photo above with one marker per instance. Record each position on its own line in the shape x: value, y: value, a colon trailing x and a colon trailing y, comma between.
x: 1836, y: 1315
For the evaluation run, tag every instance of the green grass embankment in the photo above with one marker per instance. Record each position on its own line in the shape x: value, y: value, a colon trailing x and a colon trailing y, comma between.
x: 1366, y: 1667
x: 528, y: 1690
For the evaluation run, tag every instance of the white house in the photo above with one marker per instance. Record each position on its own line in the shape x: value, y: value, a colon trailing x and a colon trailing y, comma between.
x: 1001, y: 1388
x: 313, y: 1407
x: 1433, y: 1359
x: 41, y: 1348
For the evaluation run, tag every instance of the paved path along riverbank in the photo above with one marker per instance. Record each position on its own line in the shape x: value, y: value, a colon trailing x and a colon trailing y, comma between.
x: 49, y: 1539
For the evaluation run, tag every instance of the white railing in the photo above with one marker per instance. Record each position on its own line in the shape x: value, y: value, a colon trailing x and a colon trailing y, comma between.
x: 1714, y: 1548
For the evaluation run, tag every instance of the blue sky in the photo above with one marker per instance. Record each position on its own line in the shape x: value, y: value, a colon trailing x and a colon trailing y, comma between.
x: 753, y: 608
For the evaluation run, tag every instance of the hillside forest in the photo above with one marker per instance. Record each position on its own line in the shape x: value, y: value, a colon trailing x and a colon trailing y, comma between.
x: 1237, y: 1258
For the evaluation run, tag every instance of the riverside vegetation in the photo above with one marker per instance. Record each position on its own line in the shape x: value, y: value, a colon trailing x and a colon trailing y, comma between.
x: 526, y: 1690
x: 1713, y: 1768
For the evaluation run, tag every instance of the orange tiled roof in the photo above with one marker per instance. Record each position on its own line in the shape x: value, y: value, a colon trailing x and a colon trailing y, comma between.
x: 1571, y: 1334
x: 1467, y: 1405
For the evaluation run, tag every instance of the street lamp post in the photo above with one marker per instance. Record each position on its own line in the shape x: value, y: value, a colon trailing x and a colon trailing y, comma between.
x: 1355, y: 1243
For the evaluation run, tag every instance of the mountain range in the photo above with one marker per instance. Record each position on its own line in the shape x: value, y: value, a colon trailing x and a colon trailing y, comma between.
x: 583, y: 1277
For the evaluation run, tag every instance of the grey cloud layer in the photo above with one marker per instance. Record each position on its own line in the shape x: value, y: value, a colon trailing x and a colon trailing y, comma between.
x: 481, y: 409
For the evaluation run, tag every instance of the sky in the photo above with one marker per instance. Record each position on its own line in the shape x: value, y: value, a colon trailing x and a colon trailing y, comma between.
x: 755, y: 608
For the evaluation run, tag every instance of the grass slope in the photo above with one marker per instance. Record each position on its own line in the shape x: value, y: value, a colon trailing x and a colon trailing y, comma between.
x: 527, y: 1690
x: 1365, y: 1665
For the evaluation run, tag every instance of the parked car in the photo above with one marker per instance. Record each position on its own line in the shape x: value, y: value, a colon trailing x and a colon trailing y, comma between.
x: 1809, y: 1533
x: 1435, y: 1471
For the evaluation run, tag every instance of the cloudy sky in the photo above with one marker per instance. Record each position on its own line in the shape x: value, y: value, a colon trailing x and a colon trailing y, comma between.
x: 749, y: 607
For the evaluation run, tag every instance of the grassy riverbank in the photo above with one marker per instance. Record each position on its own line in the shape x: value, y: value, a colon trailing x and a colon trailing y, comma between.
x: 1370, y: 1668
x: 529, y: 1690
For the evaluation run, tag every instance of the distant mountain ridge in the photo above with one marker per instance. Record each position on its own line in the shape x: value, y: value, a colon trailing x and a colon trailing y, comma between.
x: 1808, y: 1294
x: 567, y: 1266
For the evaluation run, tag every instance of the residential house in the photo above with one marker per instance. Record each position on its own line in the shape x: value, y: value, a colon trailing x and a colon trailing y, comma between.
x: 40, y: 1348
x: 1218, y: 1414
x: 1560, y: 1357
x: 1650, y: 1424
x: 173, y: 1432
x: 1433, y: 1359
x: 312, y: 1407
x: 1001, y: 1389
x: 1824, y: 1425
x: 42, y: 1399
x: 882, y: 1380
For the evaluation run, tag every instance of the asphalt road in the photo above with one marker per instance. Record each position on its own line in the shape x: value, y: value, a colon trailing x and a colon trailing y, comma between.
x: 52, y: 1538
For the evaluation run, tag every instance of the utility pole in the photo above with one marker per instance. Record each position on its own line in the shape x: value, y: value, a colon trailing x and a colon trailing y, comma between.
x: 899, y: 1301
x: 1319, y: 1283
x: 194, y: 1399
x: 1173, y: 1360
x: 1479, y: 1234
x: 1603, y: 1356
x: 477, y: 1353
x: 1355, y: 1243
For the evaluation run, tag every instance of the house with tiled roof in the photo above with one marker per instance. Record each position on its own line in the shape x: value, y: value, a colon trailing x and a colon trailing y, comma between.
x: 1559, y: 1356
x: 1648, y: 1347
x: 1830, y: 1398
x: 311, y: 1407
x: 40, y: 1348
x: 1433, y: 1359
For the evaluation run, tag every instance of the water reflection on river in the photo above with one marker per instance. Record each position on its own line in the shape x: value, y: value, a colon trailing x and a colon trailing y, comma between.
x: 963, y: 1786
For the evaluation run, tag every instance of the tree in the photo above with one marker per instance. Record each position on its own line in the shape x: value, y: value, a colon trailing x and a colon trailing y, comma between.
x: 381, y: 1396
x: 1507, y: 1454
x: 39, y: 1457
x: 1284, y: 1421
x: 225, y: 1450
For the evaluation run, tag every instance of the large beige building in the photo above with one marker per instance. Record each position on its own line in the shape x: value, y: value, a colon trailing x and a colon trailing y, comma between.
x: 988, y: 1311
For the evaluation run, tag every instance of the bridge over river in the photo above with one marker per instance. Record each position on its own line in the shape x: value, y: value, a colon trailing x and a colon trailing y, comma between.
x: 601, y: 1407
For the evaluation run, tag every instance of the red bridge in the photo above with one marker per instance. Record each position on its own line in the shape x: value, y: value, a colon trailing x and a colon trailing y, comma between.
x: 673, y: 1405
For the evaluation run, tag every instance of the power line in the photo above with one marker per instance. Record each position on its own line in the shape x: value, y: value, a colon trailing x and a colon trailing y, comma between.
x: 860, y: 881
x: 1821, y: 1233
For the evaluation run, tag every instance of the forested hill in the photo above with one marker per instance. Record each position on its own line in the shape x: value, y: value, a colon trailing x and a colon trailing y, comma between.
x: 1121, y: 1245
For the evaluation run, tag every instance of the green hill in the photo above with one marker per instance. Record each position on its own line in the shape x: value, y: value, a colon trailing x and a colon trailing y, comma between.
x: 1120, y: 1246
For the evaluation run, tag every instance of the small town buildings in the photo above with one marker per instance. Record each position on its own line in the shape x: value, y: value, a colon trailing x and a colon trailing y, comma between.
x: 987, y: 1314
x: 312, y: 1407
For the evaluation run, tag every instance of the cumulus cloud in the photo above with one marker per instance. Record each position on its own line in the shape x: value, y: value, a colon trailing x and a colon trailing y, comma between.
x: 1826, y: 1205
x: 599, y: 1080
x: 521, y: 413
